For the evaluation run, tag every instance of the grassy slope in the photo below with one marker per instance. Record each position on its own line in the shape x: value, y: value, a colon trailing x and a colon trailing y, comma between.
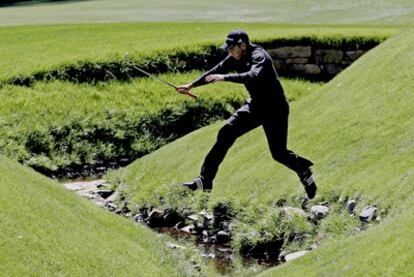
x: 44, y: 101
x: 46, y: 230
x: 28, y: 49
x: 383, y: 251
x: 46, y: 107
x: 358, y: 130
x: 276, y: 11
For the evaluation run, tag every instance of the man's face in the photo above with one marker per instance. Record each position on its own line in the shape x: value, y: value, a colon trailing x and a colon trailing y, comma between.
x: 237, y: 51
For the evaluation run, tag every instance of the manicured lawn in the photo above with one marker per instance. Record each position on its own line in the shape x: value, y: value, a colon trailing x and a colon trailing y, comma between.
x: 276, y: 11
x: 49, y: 231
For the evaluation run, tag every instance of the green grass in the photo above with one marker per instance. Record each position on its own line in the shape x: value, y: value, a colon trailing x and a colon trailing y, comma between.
x: 58, y: 124
x: 26, y: 50
x: 390, y: 243
x: 358, y: 130
x: 49, y: 231
x: 276, y: 11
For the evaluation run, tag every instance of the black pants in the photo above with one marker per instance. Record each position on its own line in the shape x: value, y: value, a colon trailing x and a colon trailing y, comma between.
x: 275, y: 125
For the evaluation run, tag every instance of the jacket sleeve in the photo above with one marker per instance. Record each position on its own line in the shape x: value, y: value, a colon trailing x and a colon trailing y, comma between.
x: 257, y: 67
x: 223, y: 67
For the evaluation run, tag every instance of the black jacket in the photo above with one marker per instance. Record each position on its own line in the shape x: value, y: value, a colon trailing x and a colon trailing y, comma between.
x: 257, y: 73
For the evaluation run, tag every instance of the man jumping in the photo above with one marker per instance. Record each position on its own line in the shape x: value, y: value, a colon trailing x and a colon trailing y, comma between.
x: 267, y: 107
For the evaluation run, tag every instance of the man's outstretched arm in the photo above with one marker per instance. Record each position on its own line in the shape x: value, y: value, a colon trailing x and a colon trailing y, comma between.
x: 210, y: 76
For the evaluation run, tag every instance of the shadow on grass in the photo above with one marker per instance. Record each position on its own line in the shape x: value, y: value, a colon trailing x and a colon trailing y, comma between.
x: 14, y: 3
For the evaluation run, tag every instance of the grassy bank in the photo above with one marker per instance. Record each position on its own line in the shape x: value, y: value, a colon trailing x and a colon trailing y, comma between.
x: 385, y: 250
x: 29, y: 50
x: 357, y: 129
x: 48, y: 231
x: 57, y: 125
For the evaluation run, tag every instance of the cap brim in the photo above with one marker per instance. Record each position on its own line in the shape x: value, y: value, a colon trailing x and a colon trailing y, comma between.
x: 225, y: 47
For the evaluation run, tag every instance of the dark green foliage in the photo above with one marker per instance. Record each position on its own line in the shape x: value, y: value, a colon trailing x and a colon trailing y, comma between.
x: 37, y: 142
x: 224, y: 210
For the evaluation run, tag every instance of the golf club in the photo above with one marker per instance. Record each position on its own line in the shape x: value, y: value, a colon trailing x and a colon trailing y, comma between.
x: 156, y: 78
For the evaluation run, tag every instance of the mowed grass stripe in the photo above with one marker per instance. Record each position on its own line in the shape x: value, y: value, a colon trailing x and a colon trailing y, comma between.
x: 277, y: 11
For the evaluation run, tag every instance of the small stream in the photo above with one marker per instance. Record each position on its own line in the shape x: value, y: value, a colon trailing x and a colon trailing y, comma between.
x: 220, y: 254
x: 211, y: 234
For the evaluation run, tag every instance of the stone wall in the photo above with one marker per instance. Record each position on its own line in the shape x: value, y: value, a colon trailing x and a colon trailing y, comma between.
x: 312, y: 62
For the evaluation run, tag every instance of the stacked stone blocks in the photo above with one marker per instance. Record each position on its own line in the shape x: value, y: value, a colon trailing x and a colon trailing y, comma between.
x: 311, y: 62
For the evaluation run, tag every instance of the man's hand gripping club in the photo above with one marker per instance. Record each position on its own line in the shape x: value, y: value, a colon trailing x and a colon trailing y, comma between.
x: 185, y: 89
